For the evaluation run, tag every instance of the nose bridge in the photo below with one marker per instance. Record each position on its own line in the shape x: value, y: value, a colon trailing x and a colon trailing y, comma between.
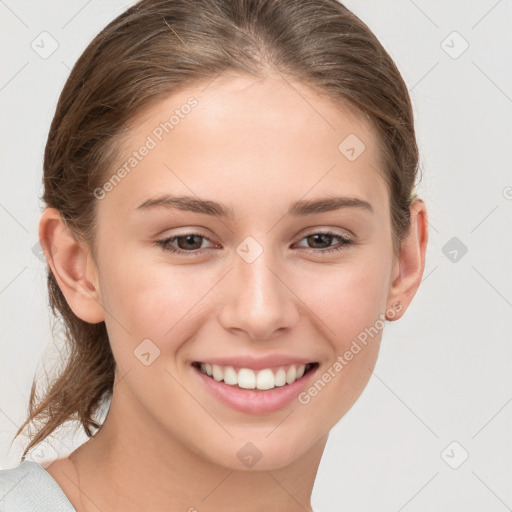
x: 257, y: 302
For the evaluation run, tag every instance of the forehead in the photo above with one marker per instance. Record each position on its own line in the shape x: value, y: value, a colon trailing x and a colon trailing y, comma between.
x: 237, y: 136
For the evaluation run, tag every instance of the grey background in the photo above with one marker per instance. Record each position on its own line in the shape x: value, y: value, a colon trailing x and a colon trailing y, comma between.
x: 444, y: 372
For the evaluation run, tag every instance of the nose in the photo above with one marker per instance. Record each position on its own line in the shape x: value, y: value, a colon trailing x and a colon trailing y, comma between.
x: 258, y: 300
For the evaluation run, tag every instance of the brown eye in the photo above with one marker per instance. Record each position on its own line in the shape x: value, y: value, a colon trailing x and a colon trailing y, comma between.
x: 190, y: 243
x: 321, y: 242
x: 320, y: 239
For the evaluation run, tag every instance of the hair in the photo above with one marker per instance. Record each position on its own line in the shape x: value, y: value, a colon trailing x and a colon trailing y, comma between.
x: 156, y: 48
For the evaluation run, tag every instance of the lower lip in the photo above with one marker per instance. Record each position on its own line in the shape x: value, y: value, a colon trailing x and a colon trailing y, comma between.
x: 256, y: 401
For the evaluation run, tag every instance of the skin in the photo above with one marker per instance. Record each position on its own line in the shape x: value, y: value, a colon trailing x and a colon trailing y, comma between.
x: 256, y: 145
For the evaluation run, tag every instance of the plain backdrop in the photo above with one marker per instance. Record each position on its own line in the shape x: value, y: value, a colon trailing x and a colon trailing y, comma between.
x: 432, y: 429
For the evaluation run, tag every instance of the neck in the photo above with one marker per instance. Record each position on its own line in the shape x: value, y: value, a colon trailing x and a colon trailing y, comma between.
x: 132, y: 463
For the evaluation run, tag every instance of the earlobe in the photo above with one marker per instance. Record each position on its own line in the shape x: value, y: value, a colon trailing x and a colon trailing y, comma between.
x: 411, y: 261
x: 72, y: 265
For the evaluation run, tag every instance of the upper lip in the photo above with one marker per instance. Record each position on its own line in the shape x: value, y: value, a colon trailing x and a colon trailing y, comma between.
x: 257, y: 363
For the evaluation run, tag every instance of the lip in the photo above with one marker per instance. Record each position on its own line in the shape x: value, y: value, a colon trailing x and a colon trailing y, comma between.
x: 255, y: 401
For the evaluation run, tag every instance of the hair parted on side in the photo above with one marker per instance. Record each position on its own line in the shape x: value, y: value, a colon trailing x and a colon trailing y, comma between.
x: 156, y: 48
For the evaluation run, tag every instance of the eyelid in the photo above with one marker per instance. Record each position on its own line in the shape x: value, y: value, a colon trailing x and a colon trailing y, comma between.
x: 187, y: 230
x: 345, y: 233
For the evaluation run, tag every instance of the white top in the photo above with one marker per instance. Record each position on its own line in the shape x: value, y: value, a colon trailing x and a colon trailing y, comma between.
x: 30, y: 488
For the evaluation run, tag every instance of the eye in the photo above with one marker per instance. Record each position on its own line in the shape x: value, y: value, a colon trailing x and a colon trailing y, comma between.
x: 186, y: 244
x: 325, y: 238
x: 190, y: 243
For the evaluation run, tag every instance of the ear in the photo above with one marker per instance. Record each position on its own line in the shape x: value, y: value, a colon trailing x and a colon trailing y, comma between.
x: 409, y: 267
x: 73, y: 266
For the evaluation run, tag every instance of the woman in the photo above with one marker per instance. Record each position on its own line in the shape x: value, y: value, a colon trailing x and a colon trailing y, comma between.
x: 230, y: 221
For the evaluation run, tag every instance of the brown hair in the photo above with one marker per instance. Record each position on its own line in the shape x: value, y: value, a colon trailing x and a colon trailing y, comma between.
x: 155, y: 48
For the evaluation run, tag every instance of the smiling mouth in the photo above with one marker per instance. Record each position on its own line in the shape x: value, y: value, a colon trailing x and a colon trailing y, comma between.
x: 264, y: 379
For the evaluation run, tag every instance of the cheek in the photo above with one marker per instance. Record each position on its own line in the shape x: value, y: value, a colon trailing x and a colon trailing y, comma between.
x: 352, y: 311
x: 352, y: 306
x: 152, y: 300
x: 347, y: 298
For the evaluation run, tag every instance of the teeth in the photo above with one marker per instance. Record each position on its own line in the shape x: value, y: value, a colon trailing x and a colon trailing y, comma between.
x: 217, y: 372
x: 246, y: 378
x: 291, y: 374
x: 265, y: 379
x: 280, y: 378
x: 230, y: 376
x: 249, y: 379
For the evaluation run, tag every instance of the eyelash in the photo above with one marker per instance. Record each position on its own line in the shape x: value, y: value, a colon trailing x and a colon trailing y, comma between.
x: 166, y: 243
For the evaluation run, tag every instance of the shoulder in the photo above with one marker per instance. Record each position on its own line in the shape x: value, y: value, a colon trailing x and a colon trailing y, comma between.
x: 28, y: 487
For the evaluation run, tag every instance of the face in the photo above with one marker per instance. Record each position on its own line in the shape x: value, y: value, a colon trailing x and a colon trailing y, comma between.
x: 256, y: 285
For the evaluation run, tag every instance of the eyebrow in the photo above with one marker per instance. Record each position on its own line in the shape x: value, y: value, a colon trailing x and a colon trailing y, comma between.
x: 302, y: 207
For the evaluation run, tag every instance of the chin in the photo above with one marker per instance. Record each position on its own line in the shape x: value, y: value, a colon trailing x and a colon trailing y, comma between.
x: 262, y: 449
